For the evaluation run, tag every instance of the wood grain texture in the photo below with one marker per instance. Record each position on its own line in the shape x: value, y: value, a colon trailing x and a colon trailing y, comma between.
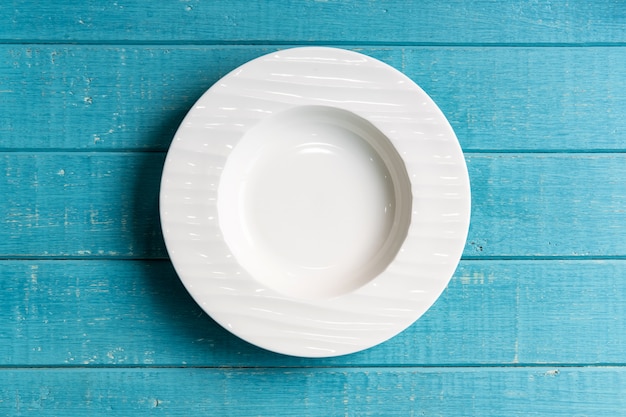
x: 82, y: 313
x: 242, y: 21
x: 547, y: 205
x: 106, y: 205
x: 313, y: 392
x: 94, y: 321
x: 96, y: 97
x: 80, y: 204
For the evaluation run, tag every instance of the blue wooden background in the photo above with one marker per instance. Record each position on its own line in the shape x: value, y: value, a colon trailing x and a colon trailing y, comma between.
x: 93, y: 319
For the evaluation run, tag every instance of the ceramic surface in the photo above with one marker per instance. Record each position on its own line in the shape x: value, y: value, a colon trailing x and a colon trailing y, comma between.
x: 315, y: 202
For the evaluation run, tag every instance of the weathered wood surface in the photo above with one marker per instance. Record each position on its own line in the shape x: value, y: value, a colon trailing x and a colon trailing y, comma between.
x: 339, y: 22
x: 136, y: 313
x: 400, y: 392
x: 106, y: 205
x: 93, y: 320
x: 104, y: 97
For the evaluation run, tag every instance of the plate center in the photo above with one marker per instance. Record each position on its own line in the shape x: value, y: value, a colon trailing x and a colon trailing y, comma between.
x: 307, y: 202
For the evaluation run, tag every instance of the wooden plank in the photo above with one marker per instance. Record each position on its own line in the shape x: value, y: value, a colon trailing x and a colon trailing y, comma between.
x: 104, y: 97
x: 105, y: 205
x: 528, y: 99
x: 133, y: 97
x: 547, y: 205
x: 458, y: 21
x: 314, y: 392
x: 80, y: 204
x: 137, y: 313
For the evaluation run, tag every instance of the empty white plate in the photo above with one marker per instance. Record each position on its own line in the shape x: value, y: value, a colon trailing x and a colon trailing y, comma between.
x: 315, y: 202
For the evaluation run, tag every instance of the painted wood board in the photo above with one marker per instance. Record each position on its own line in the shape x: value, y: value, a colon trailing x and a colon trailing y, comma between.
x: 104, y: 97
x: 80, y: 204
x: 533, y: 321
x: 541, y: 391
x: 387, y: 22
x: 106, y: 205
x: 137, y: 313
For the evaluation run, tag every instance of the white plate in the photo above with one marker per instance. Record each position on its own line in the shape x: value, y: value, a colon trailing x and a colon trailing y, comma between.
x: 315, y: 202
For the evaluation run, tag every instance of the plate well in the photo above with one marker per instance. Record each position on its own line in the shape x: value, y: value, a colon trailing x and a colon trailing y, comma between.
x: 314, y: 202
